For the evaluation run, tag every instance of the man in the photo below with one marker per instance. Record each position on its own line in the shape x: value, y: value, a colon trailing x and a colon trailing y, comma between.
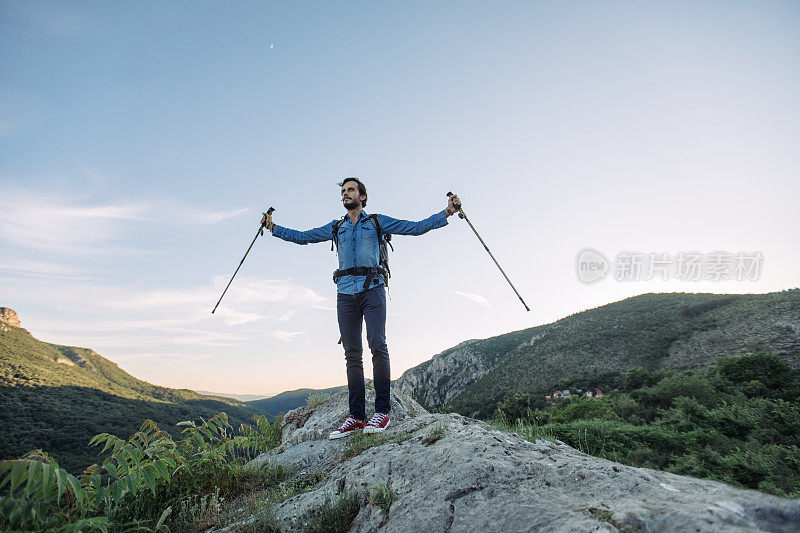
x: 361, y: 295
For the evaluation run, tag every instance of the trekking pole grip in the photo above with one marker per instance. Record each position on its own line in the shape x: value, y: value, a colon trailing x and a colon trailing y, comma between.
x: 457, y: 206
x: 269, y: 212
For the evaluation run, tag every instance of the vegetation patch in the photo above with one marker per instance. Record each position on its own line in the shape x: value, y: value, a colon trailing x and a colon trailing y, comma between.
x: 361, y: 442
x: 400, y: 438
x: 59, y: 407
x: 315, y: 400
x: 736, y: 422
x: 146, y: 482
x: 383, y: 496
x: 438, y: 431
x: 604, y: 515
x: 335, y: 516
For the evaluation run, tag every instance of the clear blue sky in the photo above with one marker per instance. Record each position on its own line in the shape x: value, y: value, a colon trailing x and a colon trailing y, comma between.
x: 140, y: 141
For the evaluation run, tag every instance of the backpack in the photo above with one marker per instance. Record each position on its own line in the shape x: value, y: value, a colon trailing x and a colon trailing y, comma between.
x: 384, y: 243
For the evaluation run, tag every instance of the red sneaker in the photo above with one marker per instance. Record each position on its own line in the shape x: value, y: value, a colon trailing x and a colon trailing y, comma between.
x: 378, y: 423
x: 350, y: 426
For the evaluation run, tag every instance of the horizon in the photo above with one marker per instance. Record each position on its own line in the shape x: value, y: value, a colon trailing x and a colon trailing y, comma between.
x: 601, y: 150
x: 255, y: 397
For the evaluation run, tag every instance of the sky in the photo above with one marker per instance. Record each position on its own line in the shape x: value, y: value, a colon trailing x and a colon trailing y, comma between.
x: 139, y: 143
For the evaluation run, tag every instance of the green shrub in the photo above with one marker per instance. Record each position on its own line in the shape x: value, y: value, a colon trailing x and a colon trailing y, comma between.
x: 146, y: 481
x: 515, y: 407
x: 315, y: 400
x: 583, y: 409
x: 710, y: 424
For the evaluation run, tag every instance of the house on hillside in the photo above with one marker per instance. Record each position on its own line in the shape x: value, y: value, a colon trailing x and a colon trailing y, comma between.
x: 580, y: 393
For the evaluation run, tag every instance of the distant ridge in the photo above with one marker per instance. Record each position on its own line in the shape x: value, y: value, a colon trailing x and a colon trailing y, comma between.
x: 286, y: 401
x: 670, y: 331
x: 240, y: 397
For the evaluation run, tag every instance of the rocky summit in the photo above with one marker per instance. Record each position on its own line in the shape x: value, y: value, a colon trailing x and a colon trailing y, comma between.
x: 8, y: 317
x: 452, y: 473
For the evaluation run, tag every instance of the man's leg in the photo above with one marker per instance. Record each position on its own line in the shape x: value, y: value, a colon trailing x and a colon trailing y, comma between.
x: 375, y: 317
x: 350, y: 318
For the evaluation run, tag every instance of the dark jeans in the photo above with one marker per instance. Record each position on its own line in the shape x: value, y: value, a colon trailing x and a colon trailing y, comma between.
x: 369, y: 305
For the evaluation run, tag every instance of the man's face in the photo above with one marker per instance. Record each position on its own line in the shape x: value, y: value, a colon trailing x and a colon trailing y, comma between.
x: 350, y: 197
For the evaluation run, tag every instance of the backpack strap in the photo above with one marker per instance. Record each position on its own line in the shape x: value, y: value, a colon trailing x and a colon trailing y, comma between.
x: 336, y: 225
x: 377, y: 224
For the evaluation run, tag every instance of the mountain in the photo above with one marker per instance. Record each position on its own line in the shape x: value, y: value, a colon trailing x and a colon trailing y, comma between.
x: 596, y: 347
x: 57, y: 398
x: 286, y: 401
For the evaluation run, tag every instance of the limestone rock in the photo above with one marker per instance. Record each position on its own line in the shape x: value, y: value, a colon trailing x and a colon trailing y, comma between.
x: 477, y: 478
x: 8, y: 317
x: 447, y: 374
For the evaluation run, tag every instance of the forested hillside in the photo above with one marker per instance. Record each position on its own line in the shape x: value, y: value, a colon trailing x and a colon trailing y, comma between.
x: 596, y: 347
x: 56, y: 398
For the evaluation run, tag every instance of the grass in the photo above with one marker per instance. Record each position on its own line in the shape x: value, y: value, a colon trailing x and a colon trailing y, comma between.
x: 383, y: 496
x: 268, y: 486
x: 400, y: 437
x: 315, y: 400
x: 361, y: 442
x: 436, y: 433
x: 335, y: 517
x: 264, y: 523
x: 528, y: 431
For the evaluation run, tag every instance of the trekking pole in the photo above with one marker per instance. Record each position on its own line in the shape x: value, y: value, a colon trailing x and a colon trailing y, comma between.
x: 462, y: 214
x: 259, y: 232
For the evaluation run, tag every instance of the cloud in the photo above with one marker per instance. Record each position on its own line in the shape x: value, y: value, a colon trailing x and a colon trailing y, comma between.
x: 109, y: 318
x: 235, y: 318
x: 39, y: 269
x: 70, y: 225
x: 286, y: 316
x: 477, y: 298
x: 49, y: 224
x: 204, y: 217
x: 285, y: 336
x: 272, y: 291
x: 179, y: 358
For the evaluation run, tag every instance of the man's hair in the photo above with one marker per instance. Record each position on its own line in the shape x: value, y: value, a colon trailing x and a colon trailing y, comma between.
x: 362, y: 190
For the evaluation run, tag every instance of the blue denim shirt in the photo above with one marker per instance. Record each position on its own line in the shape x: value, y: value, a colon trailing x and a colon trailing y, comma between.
x: 358, y: 243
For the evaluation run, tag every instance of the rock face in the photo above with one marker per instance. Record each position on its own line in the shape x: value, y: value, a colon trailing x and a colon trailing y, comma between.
x: 442, y: 378
x: 8, y: 317
x: 452, y: 473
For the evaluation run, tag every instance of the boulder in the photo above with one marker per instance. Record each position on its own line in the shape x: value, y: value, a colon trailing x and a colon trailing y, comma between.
x: 452, y: 473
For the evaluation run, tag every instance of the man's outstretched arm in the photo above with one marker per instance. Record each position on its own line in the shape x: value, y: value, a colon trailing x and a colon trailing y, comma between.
x: 408, y: 227
x: 320, y: 234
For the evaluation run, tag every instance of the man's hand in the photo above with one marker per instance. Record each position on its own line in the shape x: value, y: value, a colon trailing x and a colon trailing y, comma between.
x: 453, y: 205
x: 267, y: 222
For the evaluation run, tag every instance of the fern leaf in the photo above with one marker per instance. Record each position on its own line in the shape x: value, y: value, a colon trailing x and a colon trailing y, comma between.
x: 46, y: 487
x: 149, y: 479
x: 75, y: 485
x: 18, y: 474
x: 60, y: 483
x: 34, y: 478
